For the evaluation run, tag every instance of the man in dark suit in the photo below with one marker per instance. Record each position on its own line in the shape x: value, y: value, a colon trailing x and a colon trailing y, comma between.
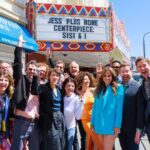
x: 128, y: 128
x: 143, y: 103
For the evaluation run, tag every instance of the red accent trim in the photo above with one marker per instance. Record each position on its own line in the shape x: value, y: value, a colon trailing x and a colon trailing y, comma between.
x: 31, y: 16
x: 88, y: 9
x: 78, y: 8
x: 98, y: 9
x: 58, y: 7
x: 31, y: 10
x: 68, y: 7
x: 74, y: 46
x: 47, y: 6
x: 42, y: 45
x: 57, y: 46
x: 112, y: 28
x: 90, y: 46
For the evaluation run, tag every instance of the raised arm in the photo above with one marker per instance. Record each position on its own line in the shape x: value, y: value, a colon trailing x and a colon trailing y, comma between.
x: 17, y: 66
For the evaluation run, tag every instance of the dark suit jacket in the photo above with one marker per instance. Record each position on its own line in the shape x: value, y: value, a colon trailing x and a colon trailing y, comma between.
x: 143, y: 110
x: 46, y: 106
x: 23, y: 86
x: 130, y: 107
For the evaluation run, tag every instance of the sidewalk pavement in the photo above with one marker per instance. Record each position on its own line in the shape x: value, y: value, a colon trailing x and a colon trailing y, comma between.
x: 144, y: 145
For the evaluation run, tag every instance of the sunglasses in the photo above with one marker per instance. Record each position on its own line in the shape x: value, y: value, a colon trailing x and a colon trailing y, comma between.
x: 30, y: 69
x: 116, y: 67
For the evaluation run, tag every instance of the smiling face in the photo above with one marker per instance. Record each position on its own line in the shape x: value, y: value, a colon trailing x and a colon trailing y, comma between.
x: 125, y: 73
x: 74, y: 69
x: 143, y: 68
x: 116, y: 66
x: 31, y: 71
x: 6, y: 68
x: 53, y: 78
x: 86, y: 81
x: 107, y: 78
x: 60, y: 67
x: 42, y: 72
x: 4, y: 83
x: 70, y: 88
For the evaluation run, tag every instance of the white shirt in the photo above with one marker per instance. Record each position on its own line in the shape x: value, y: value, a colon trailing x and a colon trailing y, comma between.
x: 32, y: 108
x: 73, y: 107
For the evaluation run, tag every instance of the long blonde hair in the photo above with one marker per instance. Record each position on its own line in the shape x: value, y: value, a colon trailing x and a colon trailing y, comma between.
x: 80, y: 77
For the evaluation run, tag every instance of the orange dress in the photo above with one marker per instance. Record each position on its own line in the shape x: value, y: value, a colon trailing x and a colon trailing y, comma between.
x: 86, y: 118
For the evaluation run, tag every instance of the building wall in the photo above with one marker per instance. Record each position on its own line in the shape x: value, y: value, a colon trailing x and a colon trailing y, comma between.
x: 14, y: 10
x: 96, y: 3
x: 121, y: 40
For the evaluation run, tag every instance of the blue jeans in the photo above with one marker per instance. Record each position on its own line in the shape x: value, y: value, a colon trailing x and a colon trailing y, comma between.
x: 25, y: 131
x: 76, y: 142
x: 70, y: 137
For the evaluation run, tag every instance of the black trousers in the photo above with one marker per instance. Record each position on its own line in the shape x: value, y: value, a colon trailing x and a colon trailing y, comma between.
x: 127, y: 141
x: 82, y: 135
x: 147, y: 131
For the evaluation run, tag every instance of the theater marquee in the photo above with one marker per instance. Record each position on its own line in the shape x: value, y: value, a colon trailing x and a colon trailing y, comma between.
x: 71, y: 29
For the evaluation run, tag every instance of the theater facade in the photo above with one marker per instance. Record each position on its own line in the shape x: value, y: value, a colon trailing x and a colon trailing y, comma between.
x: 85, y: 34
x: 12, y: 25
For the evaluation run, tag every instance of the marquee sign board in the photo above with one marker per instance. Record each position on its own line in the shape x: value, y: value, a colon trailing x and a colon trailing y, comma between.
x: 70, y: 29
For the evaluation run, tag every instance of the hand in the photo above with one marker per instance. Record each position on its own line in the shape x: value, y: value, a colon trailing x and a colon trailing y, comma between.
x: 137, y: 137
x: 8, y: 141
x: 20, y: 40
x: 92, y: 128
x: 111, y: 60
x: 99, y: 67
x: 117, y: 131
x: 66, y: 75
x: 48, y: 52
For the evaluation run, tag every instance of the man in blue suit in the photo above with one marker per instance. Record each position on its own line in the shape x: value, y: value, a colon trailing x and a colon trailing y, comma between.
x: 128, y: 128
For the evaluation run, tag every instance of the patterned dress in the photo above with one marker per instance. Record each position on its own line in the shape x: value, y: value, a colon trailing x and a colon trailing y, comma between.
x: 4, y: 131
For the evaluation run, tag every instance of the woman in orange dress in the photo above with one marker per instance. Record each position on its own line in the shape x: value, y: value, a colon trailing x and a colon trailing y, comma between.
x: 84, y: 81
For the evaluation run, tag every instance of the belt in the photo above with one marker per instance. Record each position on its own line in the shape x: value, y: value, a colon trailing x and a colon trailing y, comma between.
x: 56, y: 110
x: 27, y: 119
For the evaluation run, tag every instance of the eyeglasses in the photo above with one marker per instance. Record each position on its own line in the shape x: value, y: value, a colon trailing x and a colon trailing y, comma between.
x: 116, y: 67
x: 42, y: 71
x: 4, y: 67
x: 59, y: 67
x: 30, y: 69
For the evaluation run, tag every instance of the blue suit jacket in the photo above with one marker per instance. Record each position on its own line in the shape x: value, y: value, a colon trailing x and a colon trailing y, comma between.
x: 107, y: 111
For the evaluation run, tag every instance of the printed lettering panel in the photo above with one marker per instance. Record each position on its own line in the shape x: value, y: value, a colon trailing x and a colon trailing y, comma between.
x: 68, y: 28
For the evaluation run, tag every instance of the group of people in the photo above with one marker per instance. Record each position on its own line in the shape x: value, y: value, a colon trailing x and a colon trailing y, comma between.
x: 46, y: 109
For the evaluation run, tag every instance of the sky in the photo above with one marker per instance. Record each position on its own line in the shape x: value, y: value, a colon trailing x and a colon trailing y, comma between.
x: 136, y: 16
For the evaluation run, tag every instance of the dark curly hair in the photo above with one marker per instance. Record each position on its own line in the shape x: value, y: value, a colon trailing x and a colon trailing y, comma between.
x: 65, y: 82
x: 79, y: 79
x: 101, y: 85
